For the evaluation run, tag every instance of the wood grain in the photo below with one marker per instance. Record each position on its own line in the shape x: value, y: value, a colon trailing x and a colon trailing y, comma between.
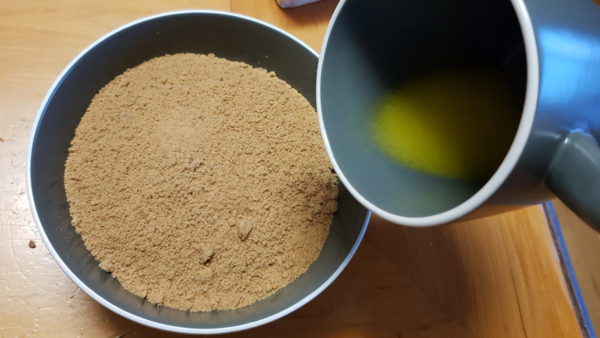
x: 308, y: 23
x: 583, y: 243
x: 492, y: 277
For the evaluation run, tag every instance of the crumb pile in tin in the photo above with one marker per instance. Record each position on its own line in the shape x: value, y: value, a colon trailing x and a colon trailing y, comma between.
x: 200, y: 183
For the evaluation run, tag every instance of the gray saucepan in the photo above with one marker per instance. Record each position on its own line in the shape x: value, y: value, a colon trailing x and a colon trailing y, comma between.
x: 226, y: 35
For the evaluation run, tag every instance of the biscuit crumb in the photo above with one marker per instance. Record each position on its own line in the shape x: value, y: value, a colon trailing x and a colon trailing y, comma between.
x: 200, y: 183
x: 244, y: 228
x: 206, y: 255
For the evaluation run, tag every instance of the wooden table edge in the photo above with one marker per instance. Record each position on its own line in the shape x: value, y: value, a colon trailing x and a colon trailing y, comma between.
x: 566, y: 265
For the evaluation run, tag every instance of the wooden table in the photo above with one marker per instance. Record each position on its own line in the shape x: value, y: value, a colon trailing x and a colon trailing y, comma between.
x: 500, y: 276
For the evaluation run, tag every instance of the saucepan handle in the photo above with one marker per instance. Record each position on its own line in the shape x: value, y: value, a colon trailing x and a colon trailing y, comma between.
x: 574, y: 175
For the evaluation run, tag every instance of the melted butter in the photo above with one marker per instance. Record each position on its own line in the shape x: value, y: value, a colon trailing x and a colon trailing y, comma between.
x: 456, y: 123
